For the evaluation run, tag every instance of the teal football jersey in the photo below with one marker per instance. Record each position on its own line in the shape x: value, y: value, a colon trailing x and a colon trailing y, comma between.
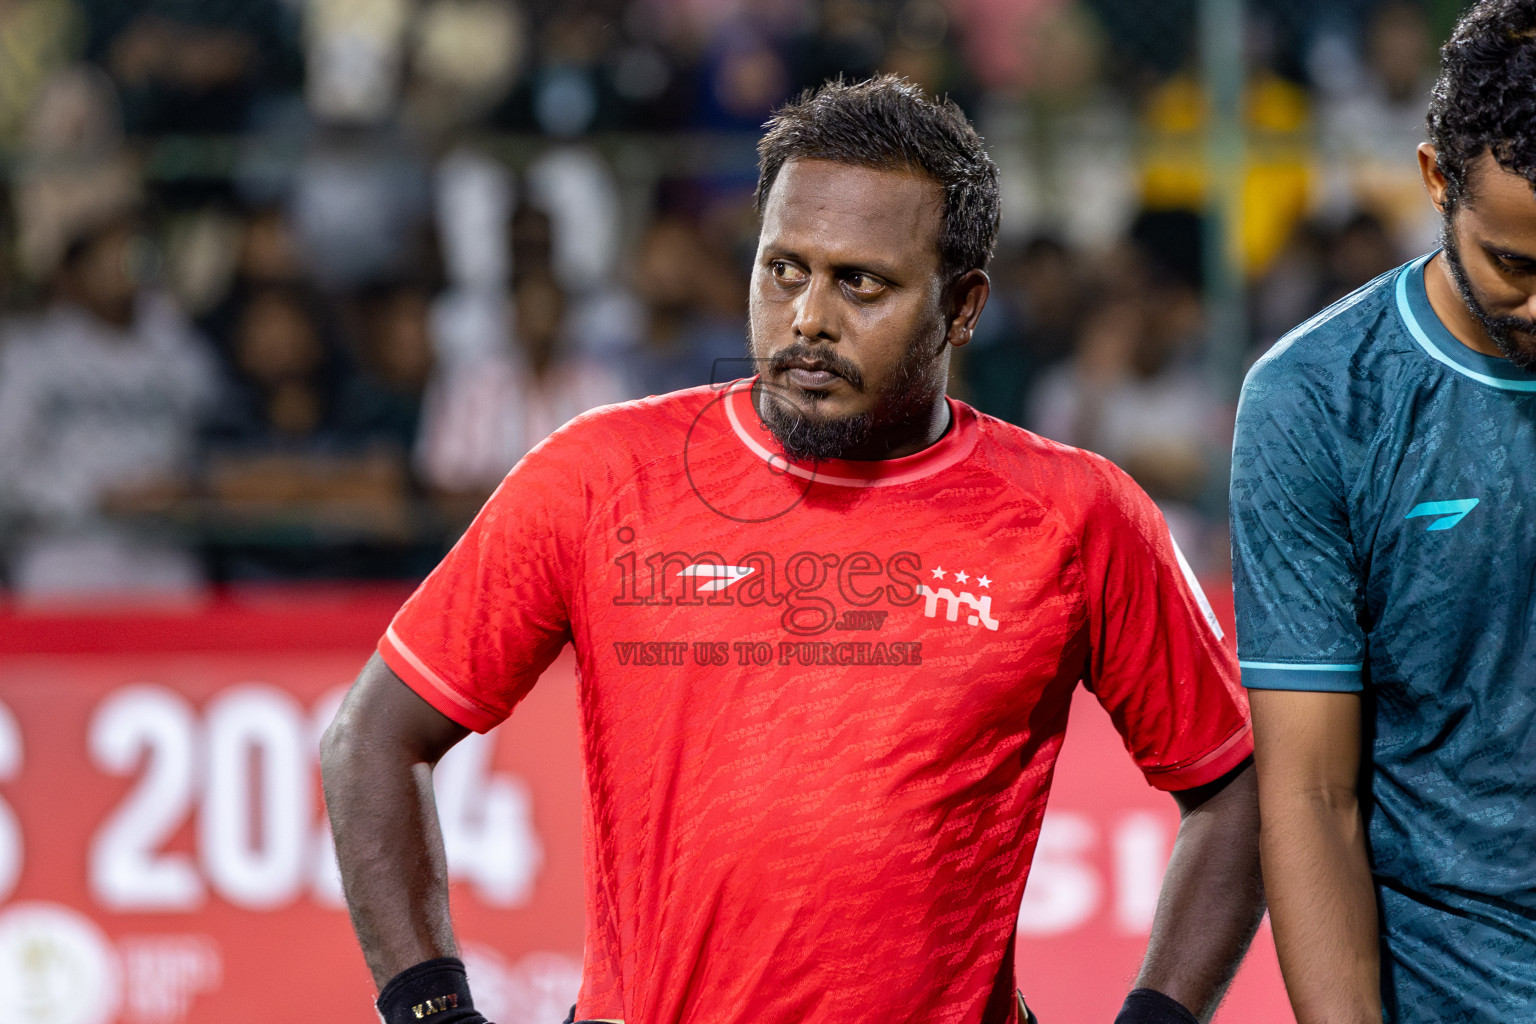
x: 1384, y: 541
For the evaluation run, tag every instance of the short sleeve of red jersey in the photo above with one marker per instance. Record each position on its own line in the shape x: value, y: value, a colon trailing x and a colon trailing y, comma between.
x: 477, y: 633
x: 1157, y: 661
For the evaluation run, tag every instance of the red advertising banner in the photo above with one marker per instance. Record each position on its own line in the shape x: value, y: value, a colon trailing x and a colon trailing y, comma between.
x: 164, y: 856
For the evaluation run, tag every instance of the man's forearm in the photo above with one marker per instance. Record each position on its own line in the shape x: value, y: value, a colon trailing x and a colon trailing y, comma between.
x: 1212, y: 900
x: 392, y: 868
x: 390, y: 850
x: 1322, y: 906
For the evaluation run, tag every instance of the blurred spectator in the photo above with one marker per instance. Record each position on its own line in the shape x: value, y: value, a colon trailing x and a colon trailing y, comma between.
x: 37, y: 38
x: 464, y: 57
x: 1135, y: 392
x: 473, y: 197
x: 353, y: 56
x: 571, y: 226
x: 1027, y: 327
x: 1289, y: 291
x: 1362, y: 249
x: 531, y: 242
x: 746, y: 76
x: 849, y: 41
x: 1146, y: 42
x: 1317, y: 267
x: 1000, y: 36
x: 72, y: 171
x: 652, y: 74
x: 472, y: 194
x: 265, y: 254
x: 189, y: 65
x: 1064, y: 141
x: 360, y: 202
x: 284, y: 372
x: 395, y: 358
x: 917, y: 49
x: 100, y: 397
x: 202, y: 252
x: 268, y: 250
x: 1372, y: 119
x: 295, y: 389
x: 481, y: 418
x: 568, y: 90
x: 1126, y: 396
x: 568, y: 94
x: 1277, y: 180
x: 575, y: 189
x: 696, y: 310
x: 286, y: 453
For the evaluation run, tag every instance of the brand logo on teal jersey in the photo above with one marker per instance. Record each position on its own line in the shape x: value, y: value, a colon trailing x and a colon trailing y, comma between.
x: 1450, y: 512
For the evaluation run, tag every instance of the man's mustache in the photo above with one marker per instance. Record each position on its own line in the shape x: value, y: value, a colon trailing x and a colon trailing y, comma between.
x: 804, y: 356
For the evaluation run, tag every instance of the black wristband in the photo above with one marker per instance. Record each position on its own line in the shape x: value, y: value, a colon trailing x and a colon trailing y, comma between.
x: 435, y: 990
x: 1149, y: 1006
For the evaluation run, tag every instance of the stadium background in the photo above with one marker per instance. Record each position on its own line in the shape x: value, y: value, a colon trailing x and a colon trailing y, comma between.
x: 287, y: 285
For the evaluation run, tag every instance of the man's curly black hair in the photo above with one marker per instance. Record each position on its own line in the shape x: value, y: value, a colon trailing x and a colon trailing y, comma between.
x: 1485, y: 98
x: 888, y: 123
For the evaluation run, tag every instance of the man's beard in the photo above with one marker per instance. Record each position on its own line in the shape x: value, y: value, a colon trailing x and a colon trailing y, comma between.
x: 1504, y: 331
x: 806, y: 437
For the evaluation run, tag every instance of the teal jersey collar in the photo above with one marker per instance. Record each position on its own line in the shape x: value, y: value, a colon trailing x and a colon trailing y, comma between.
x: 1437, y: 340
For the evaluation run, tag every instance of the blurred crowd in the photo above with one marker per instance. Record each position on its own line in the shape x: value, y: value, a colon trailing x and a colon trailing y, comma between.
x: 287, y: 286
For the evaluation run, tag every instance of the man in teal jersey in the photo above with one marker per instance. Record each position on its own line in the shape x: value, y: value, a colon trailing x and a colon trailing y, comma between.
x: 1384, y: 539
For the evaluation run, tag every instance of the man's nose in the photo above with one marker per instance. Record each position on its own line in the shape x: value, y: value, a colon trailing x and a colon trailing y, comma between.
x: 816, y: 311
x: 1528, y: 310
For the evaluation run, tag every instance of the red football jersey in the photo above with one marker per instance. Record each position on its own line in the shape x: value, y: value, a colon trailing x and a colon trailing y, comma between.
x: 820, y: 705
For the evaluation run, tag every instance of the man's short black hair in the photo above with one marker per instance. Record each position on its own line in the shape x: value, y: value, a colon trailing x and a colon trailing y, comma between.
x: 887, y: 123
x: 1485, y: 98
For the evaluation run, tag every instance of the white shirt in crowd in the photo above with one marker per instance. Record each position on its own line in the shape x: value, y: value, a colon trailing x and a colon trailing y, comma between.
x: 483, y: 415
x: 87, y: 408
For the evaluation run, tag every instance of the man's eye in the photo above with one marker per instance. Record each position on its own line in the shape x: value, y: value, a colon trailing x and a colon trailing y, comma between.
x: 786, y: 272
x: 863, y: 284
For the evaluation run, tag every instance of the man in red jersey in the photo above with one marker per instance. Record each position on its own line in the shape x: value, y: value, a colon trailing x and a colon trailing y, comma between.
x: 828, y: 624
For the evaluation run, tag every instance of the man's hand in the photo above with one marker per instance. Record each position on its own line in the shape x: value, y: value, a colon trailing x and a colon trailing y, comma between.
x: 376, y: 761
x: 1211, y: 904
x: 1321, y: 897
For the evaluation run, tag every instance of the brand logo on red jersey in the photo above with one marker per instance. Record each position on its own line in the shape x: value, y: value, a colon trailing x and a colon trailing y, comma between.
x: 722, y: 575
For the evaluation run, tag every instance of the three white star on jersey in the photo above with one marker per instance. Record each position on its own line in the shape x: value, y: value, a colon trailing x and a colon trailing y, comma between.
x: 960, y: 576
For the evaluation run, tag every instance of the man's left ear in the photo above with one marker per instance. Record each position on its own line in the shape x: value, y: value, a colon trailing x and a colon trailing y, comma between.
x: 967, y: 297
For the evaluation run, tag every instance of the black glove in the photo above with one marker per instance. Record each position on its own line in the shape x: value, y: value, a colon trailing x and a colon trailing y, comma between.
x: 434, y: 990
x: 1149, y: 1006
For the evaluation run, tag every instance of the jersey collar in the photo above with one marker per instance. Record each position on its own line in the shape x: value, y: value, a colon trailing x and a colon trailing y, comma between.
x: 1436, y: 339
x: 948, y: 450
